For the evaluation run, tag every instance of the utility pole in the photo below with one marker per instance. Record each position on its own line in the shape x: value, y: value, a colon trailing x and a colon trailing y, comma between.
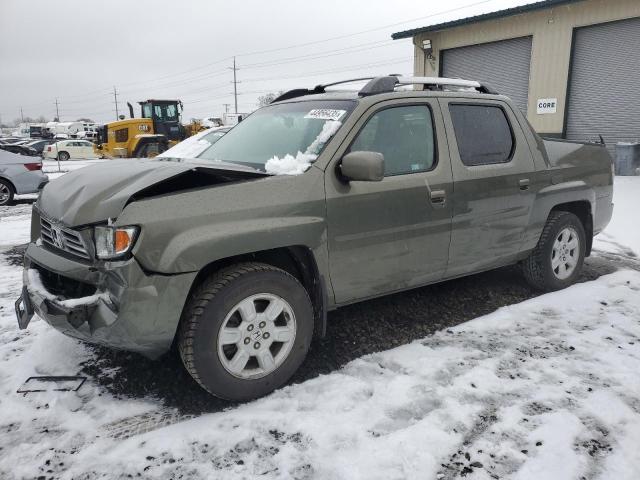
x: 57, y: 112
x: 115, y: 100
x: 226, y: 107
x: 21, y: 115
x: 235, y: 84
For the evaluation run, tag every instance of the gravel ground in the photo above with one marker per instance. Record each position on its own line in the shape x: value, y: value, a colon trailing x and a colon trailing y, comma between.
x: 352, y: 332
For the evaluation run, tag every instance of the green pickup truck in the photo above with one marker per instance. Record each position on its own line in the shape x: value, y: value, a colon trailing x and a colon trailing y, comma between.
x: 324, y: 198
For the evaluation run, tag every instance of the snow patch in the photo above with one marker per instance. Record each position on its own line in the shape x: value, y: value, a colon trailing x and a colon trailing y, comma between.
x: 36, y: 286
x: 290, y: 165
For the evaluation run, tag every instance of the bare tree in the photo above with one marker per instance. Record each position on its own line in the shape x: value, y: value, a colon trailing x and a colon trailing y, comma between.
x: 40, y: 119
x: 266, y: 99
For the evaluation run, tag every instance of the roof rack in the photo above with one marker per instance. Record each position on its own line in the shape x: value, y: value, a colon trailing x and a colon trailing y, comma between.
x: 387, y: 84
x: 300, y: 92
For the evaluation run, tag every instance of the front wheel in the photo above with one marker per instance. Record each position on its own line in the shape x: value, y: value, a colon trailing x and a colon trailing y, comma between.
x: 557, y: 260
x: 245, y: 331
x: 149, y: 150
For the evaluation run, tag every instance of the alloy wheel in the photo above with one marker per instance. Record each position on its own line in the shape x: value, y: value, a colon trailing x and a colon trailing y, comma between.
x: 256, y: 336
x: 565, y: 253
x: 5, y: 194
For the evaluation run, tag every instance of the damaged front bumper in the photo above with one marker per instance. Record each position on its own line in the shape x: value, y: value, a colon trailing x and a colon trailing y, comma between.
x: 116, y: 304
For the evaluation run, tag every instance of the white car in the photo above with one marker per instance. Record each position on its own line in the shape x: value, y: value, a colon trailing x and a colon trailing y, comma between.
x: 193, y: 146
x: 67, y: 149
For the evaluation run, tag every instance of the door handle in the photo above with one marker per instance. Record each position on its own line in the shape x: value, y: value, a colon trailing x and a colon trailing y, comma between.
x: 438, y: 196
x: 524, y: 184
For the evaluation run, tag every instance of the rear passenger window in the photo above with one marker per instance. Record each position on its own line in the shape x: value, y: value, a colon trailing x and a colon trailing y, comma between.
x: 483, y: 134
x: 404, y: 135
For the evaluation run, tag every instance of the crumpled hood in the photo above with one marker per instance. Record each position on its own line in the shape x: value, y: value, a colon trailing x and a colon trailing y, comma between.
x: 98, y: 192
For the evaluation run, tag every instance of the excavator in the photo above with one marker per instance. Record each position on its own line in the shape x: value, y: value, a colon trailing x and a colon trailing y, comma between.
x: 158, y: 129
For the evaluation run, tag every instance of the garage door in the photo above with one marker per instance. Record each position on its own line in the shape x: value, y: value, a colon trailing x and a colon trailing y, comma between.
x: 604, y: 87
x: 503, y: 65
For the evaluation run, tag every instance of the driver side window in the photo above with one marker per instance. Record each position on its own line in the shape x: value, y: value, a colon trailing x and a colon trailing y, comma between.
x: 404, y: 135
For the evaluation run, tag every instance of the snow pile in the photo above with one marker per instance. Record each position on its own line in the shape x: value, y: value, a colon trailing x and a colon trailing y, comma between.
x: 544, y: 389
x: 624, y: 223
x: 15, y: 228
x: 36, y: 286
x: 548, y: 388
x: 290, y: 165
x: 328, y: 130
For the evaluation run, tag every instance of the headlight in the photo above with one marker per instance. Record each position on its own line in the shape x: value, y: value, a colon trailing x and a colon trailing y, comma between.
x: 112, y: 242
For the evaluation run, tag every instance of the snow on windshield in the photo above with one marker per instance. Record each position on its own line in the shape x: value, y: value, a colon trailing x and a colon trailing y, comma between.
x: 290, y: 165
x: 192, y: 146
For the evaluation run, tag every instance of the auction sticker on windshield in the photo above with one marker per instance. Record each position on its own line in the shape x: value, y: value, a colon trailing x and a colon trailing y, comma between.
x: 325, y: 114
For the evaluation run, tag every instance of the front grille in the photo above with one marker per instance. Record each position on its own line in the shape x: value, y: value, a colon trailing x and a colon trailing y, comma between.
x: 62, y: 286
x: 61, y: 238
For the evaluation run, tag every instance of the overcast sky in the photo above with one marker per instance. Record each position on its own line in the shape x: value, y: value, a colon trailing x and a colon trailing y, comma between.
x: 78, y: 50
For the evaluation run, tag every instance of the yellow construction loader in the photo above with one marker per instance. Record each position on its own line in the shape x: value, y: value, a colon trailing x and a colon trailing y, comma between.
x: 157, y: 130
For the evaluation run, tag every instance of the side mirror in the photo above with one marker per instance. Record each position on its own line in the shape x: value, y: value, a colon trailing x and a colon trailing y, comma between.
x: 363, y: 166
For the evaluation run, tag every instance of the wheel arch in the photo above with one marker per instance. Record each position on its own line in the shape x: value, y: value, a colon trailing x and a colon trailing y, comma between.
x: 581, y: 209
x: 297, y: 260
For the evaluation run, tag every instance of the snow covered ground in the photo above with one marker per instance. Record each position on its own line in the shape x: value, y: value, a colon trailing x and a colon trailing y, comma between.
x: 544, y: 389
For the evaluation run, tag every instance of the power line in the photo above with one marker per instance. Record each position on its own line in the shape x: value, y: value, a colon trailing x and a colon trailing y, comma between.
x: 325, y: 54
x: 340, y: 37
x: 289, y: 47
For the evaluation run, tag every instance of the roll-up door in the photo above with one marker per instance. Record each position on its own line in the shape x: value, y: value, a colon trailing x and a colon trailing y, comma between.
x: 604, y: 83
x: 503, y: 65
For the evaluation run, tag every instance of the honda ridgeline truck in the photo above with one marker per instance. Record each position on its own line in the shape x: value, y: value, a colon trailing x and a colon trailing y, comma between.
x: 319, y: 200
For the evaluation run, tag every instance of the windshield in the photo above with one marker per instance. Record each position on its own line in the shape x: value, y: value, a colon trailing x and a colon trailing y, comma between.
x: 281, y: 139
x: 165, y: 111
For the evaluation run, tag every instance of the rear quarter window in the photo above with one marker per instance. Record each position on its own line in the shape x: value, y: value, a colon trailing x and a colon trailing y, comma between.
x: 483, y: 134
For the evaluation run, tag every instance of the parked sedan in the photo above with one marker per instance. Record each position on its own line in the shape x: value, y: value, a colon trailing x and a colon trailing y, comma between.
x: 10, y: 140
x: 21, y: 149
x: 66, y: 149
x: 40, y: 145
x: 19, y: 175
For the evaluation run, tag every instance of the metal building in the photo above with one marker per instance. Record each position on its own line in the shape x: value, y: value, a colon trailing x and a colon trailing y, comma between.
x: 572, y: 65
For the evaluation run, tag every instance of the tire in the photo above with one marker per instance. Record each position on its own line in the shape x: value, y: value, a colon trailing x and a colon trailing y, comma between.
x: 63, y: 156
x: 547, y: 268
x: 215, y: 361
x: 150, y: 150
x: 6, y: 193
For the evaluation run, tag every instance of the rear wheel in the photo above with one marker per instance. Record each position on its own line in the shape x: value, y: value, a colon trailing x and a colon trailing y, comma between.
x: 6, y: 192
x: 246, y: 330
x: 557, y: 260
x: 63, y: 156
